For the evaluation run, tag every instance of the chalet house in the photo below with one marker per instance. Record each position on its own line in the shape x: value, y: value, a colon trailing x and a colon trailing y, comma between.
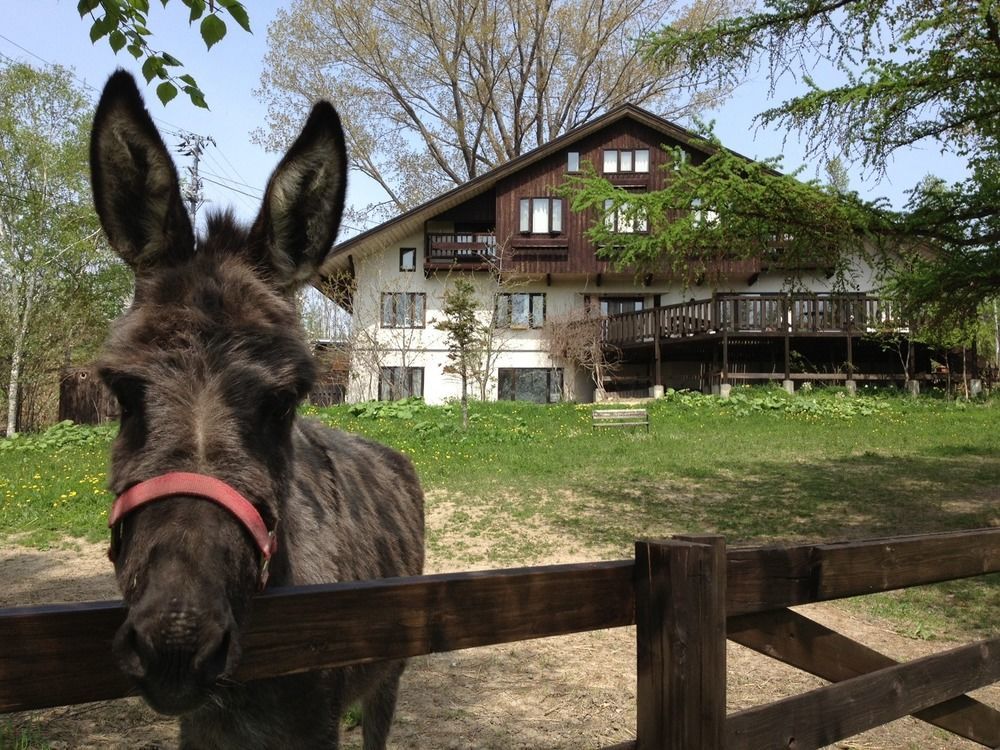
x: 511, y: 234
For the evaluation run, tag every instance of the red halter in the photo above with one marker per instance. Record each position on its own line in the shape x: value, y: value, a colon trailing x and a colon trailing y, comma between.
x: 205, y: 488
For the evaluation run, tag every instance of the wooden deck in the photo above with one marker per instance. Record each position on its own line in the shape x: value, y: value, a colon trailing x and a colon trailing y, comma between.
x: 718, y: 328
x: 775, y: 315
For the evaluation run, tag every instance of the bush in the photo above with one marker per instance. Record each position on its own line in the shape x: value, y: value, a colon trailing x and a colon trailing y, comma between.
x: 60, y: 435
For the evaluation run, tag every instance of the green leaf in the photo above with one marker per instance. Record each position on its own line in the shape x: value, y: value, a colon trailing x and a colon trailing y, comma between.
x: 166, y: 91
x: 197, y: 98
x: 238, y: 13
x: 85, y: 6
x: 100, y: 28
x: 112, y: 12
x: 135, y: 50
x: 117, y: 40
x: 189, y: 79
x: 213, y: 29
x: 170, y: 60
x: 141, y: 5
x: 197, y: 9
x: 152, y: 67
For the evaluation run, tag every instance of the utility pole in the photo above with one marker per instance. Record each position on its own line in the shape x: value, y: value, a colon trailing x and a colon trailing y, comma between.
x: 193, y: 145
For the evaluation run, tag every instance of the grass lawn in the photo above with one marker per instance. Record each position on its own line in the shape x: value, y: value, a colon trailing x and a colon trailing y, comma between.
x: 531, y: 482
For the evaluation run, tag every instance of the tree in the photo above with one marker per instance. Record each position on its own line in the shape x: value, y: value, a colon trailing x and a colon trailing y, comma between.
x: 577, y: 338
x: 462, y: 327
x: 913, y: 73
x: 59, y: 286
x: 439, y: 92
x: 729, y: 208
x: 125, y: 24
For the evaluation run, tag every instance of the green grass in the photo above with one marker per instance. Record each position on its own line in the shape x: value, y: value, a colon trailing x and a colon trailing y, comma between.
x: 527, y: 482
x: 12, y: 738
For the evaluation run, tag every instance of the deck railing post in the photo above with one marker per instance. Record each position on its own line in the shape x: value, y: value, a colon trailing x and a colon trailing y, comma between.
x: 681, y: 643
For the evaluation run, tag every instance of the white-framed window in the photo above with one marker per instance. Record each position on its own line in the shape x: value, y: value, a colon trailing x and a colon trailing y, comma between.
x: 403, y: 309
x: 623, y: 219
x: 626, y: 160
x: 573, y: 161
x: 520, y: 310
x: 395, y: 383
x: 541, y: 216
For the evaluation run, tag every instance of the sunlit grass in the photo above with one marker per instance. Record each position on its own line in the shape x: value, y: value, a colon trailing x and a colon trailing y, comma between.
x: 528, y: 482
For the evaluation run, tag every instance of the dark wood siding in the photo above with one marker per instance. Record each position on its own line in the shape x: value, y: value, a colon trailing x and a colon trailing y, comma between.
x: 477, y: 210
x: 570, y: 251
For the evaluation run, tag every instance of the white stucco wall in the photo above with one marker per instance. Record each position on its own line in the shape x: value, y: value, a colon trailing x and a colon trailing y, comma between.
x: 374, y: 346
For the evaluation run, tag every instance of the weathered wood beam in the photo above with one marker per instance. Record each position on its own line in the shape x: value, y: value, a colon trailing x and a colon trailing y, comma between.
x: 807, y: 645
x: 829, y: 714
x: 761, y: 579
x: 681, y: 644
x: 60, y: 655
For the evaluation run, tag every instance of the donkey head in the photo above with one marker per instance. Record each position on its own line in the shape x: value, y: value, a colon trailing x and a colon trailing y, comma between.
x: 208, y: 365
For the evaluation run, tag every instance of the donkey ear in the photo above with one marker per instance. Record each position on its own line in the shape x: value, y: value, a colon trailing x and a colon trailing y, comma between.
x: 136, y: 192
x: 304, y: 200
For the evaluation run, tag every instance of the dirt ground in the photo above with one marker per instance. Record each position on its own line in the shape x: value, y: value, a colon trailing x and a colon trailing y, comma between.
x: 561, y: 693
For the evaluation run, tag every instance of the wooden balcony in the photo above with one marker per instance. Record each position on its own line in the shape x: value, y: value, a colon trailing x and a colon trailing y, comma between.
x: 775, y: 315
x: 464, y: 251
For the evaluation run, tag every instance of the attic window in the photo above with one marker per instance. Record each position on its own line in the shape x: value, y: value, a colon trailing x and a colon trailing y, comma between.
x: 407, y: 259
x: 626, y: 160
x: 573, y: 161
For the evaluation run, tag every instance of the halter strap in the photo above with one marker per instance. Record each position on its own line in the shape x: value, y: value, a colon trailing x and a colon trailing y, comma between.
x: 205, y: 488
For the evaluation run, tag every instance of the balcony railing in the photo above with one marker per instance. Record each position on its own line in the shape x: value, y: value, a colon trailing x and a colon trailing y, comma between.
x: 775, y: 314
x: 474, y: 248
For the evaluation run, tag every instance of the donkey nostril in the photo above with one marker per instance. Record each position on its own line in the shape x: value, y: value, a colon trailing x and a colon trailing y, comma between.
x: 132, y: 651
x: 212, y: 659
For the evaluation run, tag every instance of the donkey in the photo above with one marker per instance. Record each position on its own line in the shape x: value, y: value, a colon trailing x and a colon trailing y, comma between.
x: 218, y: 483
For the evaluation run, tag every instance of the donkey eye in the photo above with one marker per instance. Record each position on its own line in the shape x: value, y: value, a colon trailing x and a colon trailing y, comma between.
x: 130, y: 393
x: 278, y: 408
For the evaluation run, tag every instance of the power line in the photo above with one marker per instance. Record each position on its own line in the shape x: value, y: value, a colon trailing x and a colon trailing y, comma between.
x: 229, y: 187
x: 260, y: 193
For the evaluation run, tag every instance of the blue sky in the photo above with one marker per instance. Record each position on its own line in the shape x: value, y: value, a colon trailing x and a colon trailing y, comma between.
x: 236, y: 170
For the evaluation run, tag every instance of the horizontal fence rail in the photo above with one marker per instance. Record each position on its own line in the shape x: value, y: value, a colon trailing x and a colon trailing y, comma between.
x: 61, y: 654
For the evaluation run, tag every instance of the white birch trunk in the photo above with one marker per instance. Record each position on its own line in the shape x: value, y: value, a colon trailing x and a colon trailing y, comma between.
x: 17, y: 357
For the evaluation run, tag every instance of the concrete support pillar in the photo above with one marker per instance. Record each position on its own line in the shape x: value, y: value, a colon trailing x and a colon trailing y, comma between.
x: 788, y: 385
x: 913, y: 387
x: 600, y: 395
x: 724, y: 390
x: 656, y: 391
x: 852, y: 387
x: 975, y: 387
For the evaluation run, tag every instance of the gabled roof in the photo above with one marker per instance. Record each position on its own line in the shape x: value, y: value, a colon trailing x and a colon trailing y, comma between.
x: 400, y: 227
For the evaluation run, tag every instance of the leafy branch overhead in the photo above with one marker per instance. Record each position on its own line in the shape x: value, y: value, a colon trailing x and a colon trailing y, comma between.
x: 124, y: 23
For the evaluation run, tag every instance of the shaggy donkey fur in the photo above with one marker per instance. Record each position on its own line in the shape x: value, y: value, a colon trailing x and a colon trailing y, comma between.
x: 209, y: 363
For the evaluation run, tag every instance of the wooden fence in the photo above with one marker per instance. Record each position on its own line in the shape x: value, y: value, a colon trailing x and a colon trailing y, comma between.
x: 685, y: 596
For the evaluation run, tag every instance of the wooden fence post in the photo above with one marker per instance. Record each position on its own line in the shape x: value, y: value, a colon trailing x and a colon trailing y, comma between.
x: 681, y: 643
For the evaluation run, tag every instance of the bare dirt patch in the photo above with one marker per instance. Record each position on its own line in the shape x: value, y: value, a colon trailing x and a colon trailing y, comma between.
x: 564, y: 693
